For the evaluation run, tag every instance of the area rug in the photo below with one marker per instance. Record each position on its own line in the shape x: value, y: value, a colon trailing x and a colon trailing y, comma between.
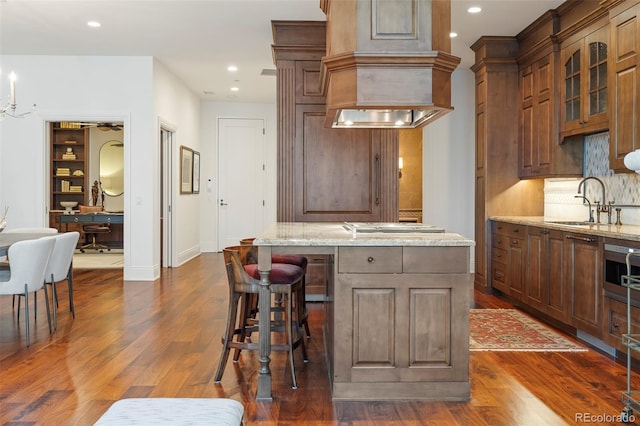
x: 511, y: 330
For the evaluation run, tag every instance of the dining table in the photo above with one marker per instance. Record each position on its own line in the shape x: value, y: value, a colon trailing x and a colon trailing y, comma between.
x: 9, y: 238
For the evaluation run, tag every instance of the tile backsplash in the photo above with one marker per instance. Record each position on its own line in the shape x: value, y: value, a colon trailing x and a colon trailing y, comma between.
x: 623, y: 189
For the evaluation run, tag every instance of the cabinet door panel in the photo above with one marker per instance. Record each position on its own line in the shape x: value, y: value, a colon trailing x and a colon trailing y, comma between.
x: 536, y: 276
x: 584, y: 263
x: 624, y: 83
x: 556, y: 299
x: 339, y: 173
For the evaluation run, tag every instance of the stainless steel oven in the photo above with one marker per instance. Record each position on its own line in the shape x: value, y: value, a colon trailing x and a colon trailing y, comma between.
x: 615, y: 266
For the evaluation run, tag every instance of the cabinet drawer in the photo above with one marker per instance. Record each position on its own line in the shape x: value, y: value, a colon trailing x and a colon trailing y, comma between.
x: 500, y: 241
x: 616, y: 323
x: 370, y: 260
x: 499, y: 255
x: 509, y: 229
x: 499, y: 276
x: 435, y: 260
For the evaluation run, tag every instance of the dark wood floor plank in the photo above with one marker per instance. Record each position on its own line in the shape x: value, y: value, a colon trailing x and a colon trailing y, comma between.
x: 162, y: 339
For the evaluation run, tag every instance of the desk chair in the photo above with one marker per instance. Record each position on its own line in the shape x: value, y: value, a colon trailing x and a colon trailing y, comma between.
x: 93, y: 229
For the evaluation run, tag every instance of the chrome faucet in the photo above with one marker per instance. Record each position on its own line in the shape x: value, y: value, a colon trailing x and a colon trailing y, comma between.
x: 600, y: 208
x: 588, y: 202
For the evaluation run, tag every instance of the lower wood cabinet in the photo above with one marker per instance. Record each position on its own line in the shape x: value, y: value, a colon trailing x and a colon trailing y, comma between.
x: 557, y: 273
x: 583, y: 271
x: 316, y: 278
x: 400, y: 325
x: 616, y: 323
x: 508, y: 258
x: 544, y: 280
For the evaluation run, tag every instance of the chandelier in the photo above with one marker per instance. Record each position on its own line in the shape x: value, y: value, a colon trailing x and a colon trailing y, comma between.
x: 9, y: 110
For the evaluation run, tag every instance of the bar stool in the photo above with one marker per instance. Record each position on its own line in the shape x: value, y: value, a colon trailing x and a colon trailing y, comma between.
x: 244, y: 281
x: 290, y: 259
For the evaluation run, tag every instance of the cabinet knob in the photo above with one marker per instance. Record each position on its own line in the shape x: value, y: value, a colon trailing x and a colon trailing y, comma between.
x: 371, y: 260
x: 615, y: 325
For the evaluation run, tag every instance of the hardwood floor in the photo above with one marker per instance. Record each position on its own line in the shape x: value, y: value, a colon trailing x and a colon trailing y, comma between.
x: 162, y: 339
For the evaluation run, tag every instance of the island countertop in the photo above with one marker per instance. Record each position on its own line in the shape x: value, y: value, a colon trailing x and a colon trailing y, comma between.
x: 336, y: 234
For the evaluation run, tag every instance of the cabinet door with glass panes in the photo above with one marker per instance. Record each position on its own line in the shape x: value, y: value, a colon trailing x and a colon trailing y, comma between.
x: 584, y: 80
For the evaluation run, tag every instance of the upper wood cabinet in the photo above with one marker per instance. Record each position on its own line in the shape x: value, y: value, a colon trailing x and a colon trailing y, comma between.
x: 537, y: 117
x: 624, y: 83
x: 583, y: 82
x: 540, y: 153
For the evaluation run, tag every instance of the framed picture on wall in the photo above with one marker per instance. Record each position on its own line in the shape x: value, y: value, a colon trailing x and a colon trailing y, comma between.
x: 196, y: 172
x: 186, y: 170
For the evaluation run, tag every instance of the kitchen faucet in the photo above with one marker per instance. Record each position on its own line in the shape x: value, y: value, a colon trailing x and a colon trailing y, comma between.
x: 604, y: 208
x: 588, y: 202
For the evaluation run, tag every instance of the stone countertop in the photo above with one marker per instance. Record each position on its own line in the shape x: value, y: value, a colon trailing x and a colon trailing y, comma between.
x: 334, y: 234
x: 624, y: 232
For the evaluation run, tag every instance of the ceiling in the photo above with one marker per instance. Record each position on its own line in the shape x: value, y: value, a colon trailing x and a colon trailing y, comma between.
x: 197, y: 40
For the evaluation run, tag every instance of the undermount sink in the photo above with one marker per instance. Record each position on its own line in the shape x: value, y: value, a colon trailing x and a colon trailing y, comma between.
x: 570, y: 222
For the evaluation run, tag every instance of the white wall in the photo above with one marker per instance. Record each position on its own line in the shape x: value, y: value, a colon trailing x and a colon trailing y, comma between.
x: 174, y: 103
x: 135, y: 90
x: 210, y: 113
x: 448, y: 151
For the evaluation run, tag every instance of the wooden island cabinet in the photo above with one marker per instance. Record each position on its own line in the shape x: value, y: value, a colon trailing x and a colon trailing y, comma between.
x: 397, y: 309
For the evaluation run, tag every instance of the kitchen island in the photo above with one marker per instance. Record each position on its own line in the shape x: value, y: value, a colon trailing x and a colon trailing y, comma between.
x: 396, y: 311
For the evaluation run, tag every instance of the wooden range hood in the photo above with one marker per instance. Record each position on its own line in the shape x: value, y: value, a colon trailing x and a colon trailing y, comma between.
x: 387, y: 63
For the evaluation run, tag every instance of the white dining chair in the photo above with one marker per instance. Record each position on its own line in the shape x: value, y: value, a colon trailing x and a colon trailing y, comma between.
x: 59, y: 268
x: 29, y: 260
x: 4, y: 263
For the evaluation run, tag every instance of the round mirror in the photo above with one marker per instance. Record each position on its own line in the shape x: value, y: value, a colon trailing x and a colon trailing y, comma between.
x: 112, y: 168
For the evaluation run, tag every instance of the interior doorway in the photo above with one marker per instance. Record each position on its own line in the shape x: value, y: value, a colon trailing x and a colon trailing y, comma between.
x: 241, y: 180
x: 166, y: 196
x: 85, y: 172
x: 410, y: 176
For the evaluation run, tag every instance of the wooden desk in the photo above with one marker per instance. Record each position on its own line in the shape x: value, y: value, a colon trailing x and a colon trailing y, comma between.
x: 396, y: 311
x: 89, y: 218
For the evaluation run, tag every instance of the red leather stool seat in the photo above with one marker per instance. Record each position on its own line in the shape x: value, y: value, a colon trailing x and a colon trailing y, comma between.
x: 281, y: 273
x: 291, y: 259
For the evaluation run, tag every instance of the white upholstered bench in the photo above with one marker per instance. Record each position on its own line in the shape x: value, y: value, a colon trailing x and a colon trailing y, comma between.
x: 173, y: 411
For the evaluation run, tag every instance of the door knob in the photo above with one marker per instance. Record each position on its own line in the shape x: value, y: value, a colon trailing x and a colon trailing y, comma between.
x: 222, y: 203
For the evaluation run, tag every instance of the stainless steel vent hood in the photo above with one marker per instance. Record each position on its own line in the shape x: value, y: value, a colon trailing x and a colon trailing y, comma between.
x: 387, y: 63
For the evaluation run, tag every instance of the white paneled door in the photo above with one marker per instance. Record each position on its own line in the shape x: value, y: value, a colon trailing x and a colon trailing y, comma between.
x: 241, y: 180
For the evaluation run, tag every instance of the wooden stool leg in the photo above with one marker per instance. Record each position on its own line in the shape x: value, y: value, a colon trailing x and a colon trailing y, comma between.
x: 289, y: 326
x: 243, y: 322
x: 228, y: 335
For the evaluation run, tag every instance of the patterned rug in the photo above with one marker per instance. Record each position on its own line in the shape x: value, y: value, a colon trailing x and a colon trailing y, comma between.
x: 511, y: 330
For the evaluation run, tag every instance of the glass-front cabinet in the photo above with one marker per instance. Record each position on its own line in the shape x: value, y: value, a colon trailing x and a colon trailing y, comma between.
x: 584, y: 98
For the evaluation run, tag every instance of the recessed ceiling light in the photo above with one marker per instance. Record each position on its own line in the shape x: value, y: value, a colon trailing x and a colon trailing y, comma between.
x: 453, y: 34
x: 232, y: 68
x: 93, y: 24
x: 235, y: 89
x: 474, y: 9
